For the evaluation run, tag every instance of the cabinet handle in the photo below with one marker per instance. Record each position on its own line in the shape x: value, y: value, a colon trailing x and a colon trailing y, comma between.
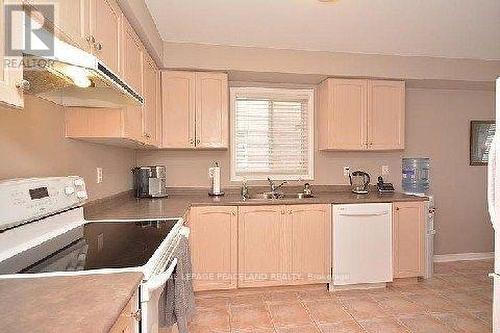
x: 191, y: 141
x: 397, y: 208
x: 282, y: 212
x: 233, y: 213
x: 198, y: 141
x: 98, y: 47
x: 290, y: 212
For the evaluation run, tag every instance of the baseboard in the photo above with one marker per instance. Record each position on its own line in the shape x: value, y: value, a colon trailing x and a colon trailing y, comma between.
x: 463, y: 256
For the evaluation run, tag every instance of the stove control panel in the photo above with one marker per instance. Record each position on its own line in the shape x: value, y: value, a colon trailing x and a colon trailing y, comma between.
x: 25, y: 200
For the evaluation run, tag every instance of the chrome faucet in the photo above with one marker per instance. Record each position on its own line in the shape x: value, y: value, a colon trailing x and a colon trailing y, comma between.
x: 275, y: 187
x: 245, y: 194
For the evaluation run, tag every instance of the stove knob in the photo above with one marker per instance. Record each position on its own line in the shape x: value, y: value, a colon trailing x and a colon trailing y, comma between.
x: 69, y: 190
x: 79, y: 182
x: 81, y: 195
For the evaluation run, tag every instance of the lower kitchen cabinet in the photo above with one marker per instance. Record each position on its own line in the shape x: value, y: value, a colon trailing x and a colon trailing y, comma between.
x: 261, y: 257
x: 280, y: 245
x: 128, y: 321
x: 213, y: 247
x: 309, y: 227
x: 408, y: 239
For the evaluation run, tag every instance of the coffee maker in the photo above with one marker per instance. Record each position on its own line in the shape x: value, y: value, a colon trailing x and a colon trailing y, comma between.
x: 150, y: 181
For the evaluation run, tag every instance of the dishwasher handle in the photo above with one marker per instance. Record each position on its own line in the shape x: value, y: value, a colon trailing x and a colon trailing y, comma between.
x: 364, y: 214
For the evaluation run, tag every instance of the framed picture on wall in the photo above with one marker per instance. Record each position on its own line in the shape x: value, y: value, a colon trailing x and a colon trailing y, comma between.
x: 481, y: 135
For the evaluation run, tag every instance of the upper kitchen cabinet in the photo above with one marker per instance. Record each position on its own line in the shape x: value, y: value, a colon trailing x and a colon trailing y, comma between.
x: 178, y: 109
x: 71, y: 21
x: 342, y: 114
x: 151, y: 115
x: 195, y: 110
x: 386, y: 114
x: 359, y: 114
x: 105, y: 23
x: 10, y: 78
x: 132, y: 72
x: 211, y: 110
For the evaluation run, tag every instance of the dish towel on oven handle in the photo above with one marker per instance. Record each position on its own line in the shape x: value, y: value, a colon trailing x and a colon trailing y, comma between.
x: 177, y: 304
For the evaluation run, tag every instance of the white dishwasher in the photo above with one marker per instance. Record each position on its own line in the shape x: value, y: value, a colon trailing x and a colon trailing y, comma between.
x: 362, y: 244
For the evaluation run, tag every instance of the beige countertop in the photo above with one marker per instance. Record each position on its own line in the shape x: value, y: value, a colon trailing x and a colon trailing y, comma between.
x: 83, y: 303
x: 125, y: 206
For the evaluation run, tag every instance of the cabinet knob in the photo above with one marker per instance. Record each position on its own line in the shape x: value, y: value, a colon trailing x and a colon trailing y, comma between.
x: 23, y: 84
x: 290, y: 212
x: 198, y: 141
x: 282, y: 212
x: 397, y: 208
x: 98, y: 47
x: 90, y: 39
x: 191, y: 141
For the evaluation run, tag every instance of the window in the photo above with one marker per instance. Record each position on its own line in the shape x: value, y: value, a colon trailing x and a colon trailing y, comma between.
x: 272, y: 133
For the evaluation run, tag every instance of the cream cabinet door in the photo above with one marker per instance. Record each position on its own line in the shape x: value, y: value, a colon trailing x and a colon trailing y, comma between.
x: 342, y: 114
x: 213, y: 247
x: 71, y: 20
x: 308, y: 230
x: 408, y: 239
x: 178, y: 109
x: 11, y: 72
x: 212, y: 128
x: 132, y: 73
x: 386, y: 114
x: 105, y: 27
x: 261, y: 261
x: 149, y: 110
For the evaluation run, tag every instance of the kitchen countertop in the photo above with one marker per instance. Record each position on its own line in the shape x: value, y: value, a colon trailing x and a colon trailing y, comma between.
x: 125, y: 206
x: 83, y: 303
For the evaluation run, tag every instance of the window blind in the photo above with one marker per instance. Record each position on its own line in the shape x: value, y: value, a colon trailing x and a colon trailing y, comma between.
x: 272, y: 137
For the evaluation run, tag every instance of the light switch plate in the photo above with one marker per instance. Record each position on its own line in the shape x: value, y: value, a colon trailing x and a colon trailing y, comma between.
x: 346, y: 171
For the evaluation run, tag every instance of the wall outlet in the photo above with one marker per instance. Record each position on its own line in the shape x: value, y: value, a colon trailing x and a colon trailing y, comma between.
x: 347, y: 170
x: 385, y: 170
x: 99, y: 175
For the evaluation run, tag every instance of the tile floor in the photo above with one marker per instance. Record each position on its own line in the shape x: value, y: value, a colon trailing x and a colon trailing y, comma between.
x: 457, y: 299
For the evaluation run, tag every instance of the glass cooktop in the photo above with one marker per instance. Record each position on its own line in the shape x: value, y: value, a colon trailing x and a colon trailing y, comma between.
x: 94, y: 245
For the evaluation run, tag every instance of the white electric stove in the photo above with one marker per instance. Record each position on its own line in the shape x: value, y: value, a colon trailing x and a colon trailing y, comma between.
x: 43, y: 233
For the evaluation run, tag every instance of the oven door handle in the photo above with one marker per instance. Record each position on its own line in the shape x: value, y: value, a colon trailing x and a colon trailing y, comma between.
x: 159, y: 280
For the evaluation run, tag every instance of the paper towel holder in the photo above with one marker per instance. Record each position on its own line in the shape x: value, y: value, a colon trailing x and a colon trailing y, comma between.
x: 214, y: 175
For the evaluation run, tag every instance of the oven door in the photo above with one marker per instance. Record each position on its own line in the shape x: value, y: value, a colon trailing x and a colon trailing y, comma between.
x: 151, y: 291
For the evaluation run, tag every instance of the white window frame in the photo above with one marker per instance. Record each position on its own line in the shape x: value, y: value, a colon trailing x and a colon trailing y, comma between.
x: 272, y: 93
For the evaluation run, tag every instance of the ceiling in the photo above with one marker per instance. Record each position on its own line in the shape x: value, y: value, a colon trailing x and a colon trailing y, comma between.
x: 441, y: 28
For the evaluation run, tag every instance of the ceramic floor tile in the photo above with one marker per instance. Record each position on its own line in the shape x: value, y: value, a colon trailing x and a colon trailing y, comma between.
x: 434, y: 303
x: 250, y: 318
x: 210, y: 321
x: 211, y: 304
x: 461, y: 322
x: 364, y: 308
x: 280, y: 297
x: 399, y: 305
x: 344, y: 327
x: 457, y: 299
x: 247, y: 300
x: 298, y: 329
x: 326, y: 311
x: 383, y: 325
x: 289, y: 315
x: 424, y: 324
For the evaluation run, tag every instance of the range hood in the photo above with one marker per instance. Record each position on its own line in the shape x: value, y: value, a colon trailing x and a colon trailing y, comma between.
x: 73, y: 77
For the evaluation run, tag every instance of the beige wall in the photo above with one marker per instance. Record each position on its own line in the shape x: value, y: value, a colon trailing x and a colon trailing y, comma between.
x: 32, y: 144
x: 437, y: 126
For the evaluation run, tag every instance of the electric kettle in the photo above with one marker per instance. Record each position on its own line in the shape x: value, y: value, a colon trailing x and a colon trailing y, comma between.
x: 359, y: 182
